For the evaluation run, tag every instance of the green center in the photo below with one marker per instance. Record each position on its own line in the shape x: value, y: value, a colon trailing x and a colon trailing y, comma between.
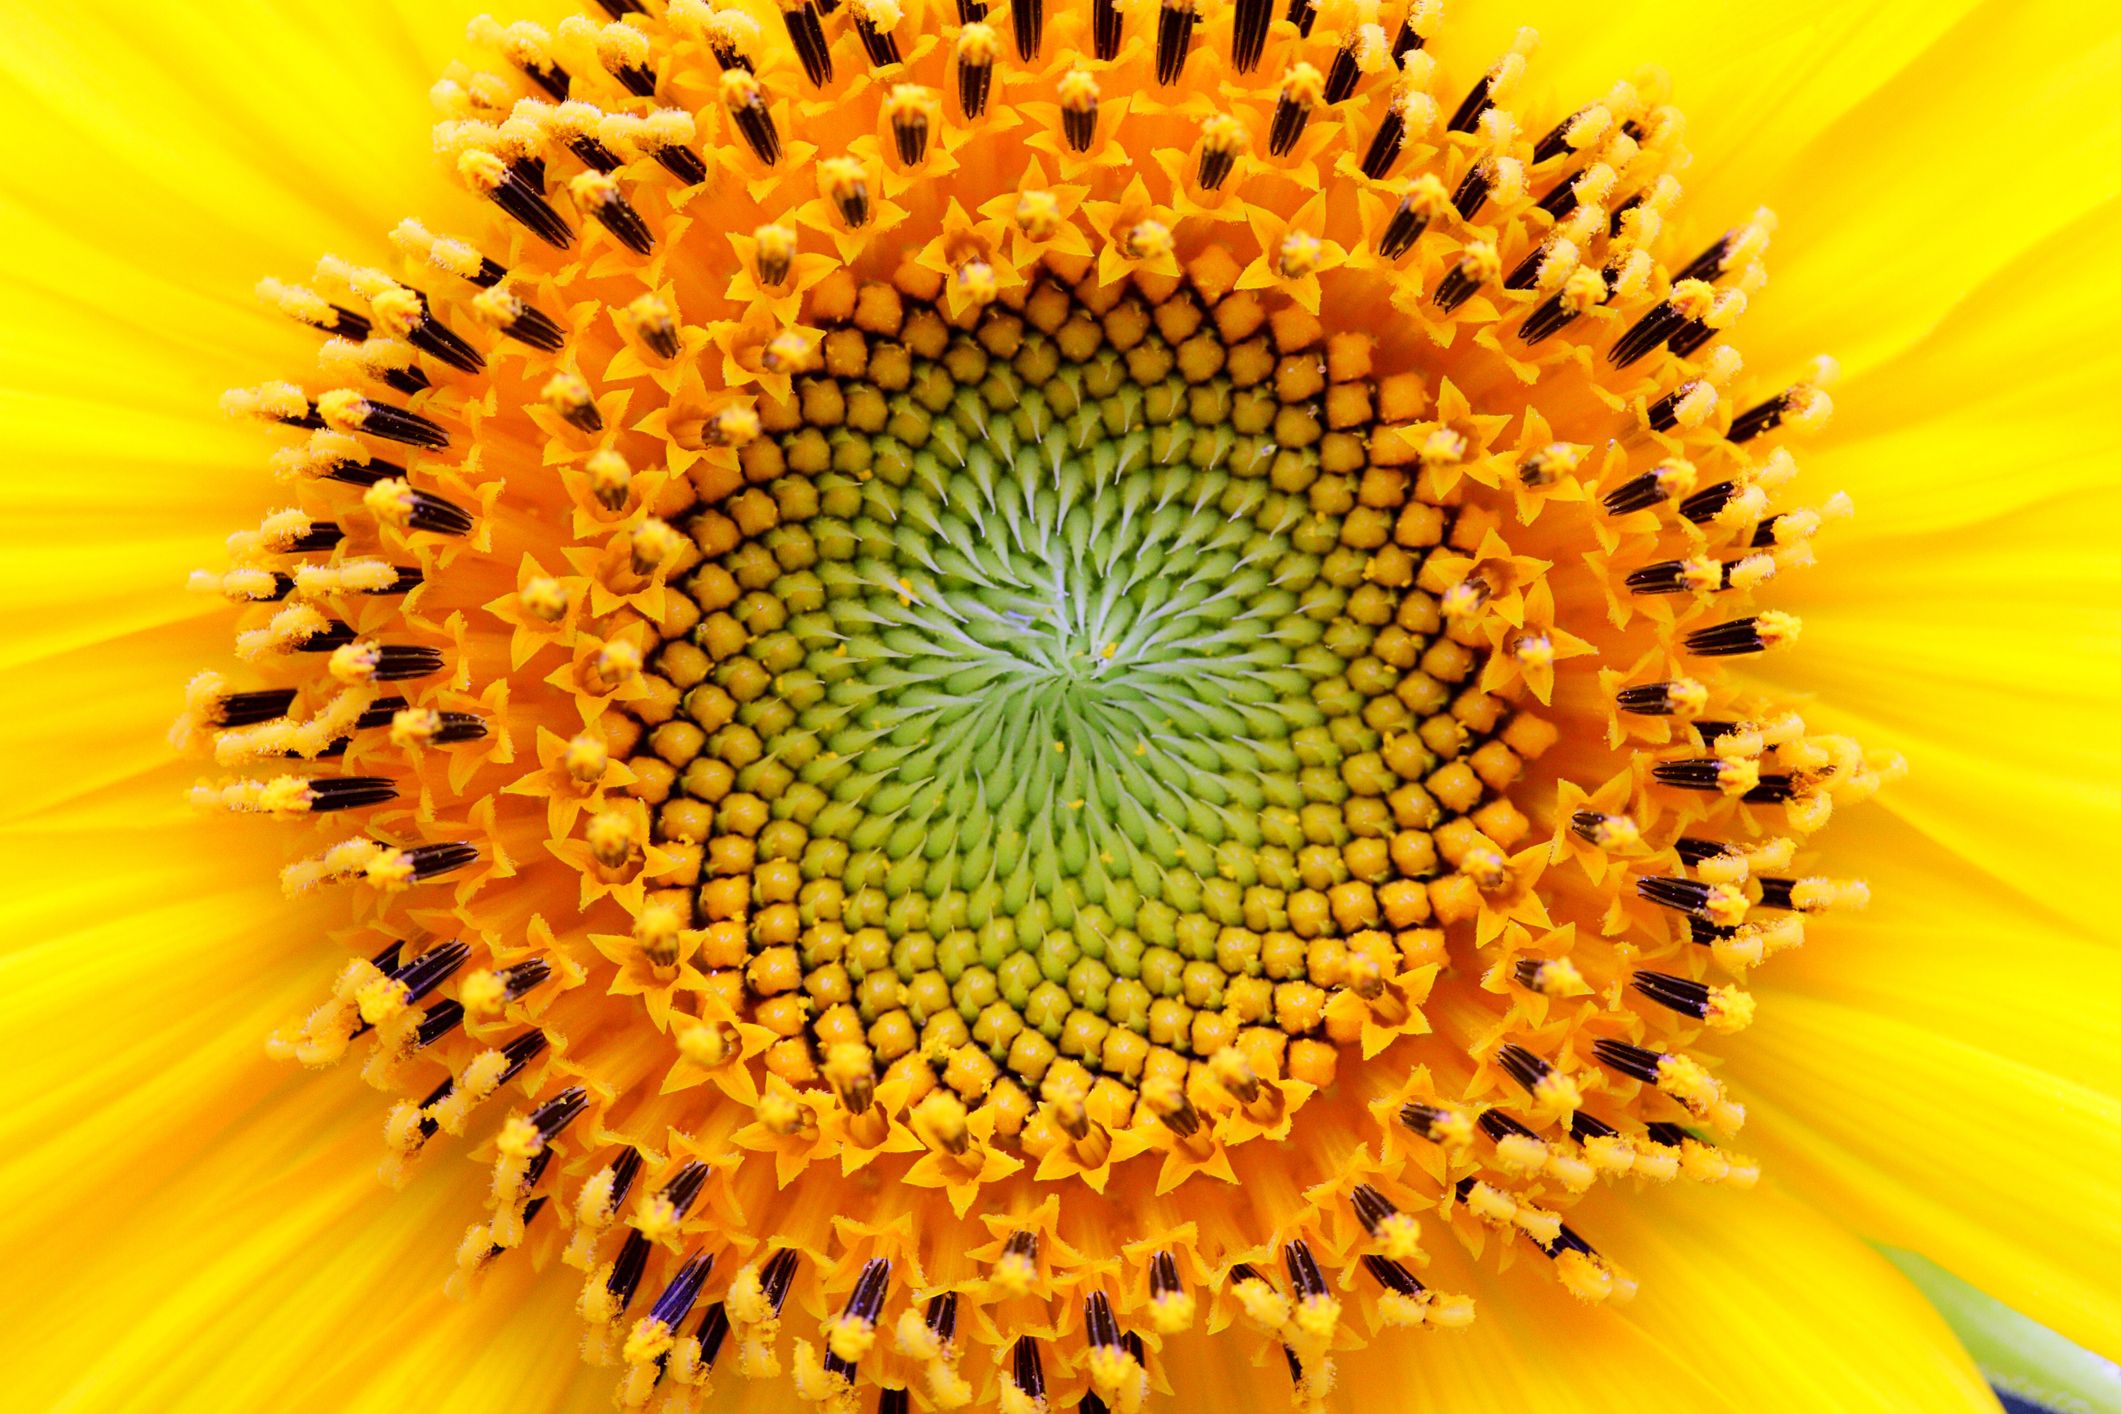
x: 1075, y: 680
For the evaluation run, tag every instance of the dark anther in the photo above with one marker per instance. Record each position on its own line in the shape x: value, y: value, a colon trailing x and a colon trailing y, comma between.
x: 1343, y: 73
x: 637, y: 79
x: 1664, y: 577
x: 1421, y: 1119
x: 1099, y: 1327
x: 1705, y: 773
x: 366, y: 473
x: 558, y: 1112
x: 627, y: 1269
x: 1694, y: 852
x: 1105, y: 28
x: 1163, y: 1275
x: 1405, y: 227
x: 776, y: 1276
x: 1028, y: 18
x: 941, y: 1316
x: 396, y: 662
x: 1778, y: 893
x: 1556, y: 141
x: 1550, y: 317
x: 523, y: 204
x: 1709, y: 264
x: 1617, y: 219
x: 519, y: 979
x: 675, y: 1304
x: 1457, y: 286
x: 909, y: 129
x: 807, y: 32
x: 1183, y: 1119
x: 1689, y: 896
x: 1690, y: 337
x: 1663, y: 414
x: 1383, y: 151
x: 1499, y: 1126
x: 1525, y: 273
x: 519, y: 1053
x: 1467, y: 118
x: 623, y: 220
x: 1638, y: 493
x: 593, y: 154
x: 398, y: 424
x: 327, y: 793
x: 1680, y: 994
x: 308, y: 419
x: 865, y: 1303
x: 1472, y: 193
x: 1371, y: 1207
x: 896, y: 1400
x: 1248, y: 33
x: 407, y: 378
x: 1174, y: 35
x: 245, y: 709
x: 432, y: 860
x: 539, y: 1162
x: 440, y: 1019
x: 711, y: 1332
x: 620, y: 9
x: 1391, y: 1275
x: 1727, y: 640
x: 684, y: 1186
x: 1630, y: 1060
x: 971, y: 12
x: 1079, y: 126
x: 1025, y: 1371
x: 531, y: 170
x: 1216, y: 164
x: 1525, y: 1068
x: 1762, y: 417
x: 1303, y: 14
x: 424, y: 973
x: 852, y: 201
x: 1567, y: 1240
x: 1708, y: 503
x: 624, y: 1170
x: 880, y: 44
x: 973, y: 80
x: 550, y: 77
x: 1559, y: 202
x: 1645, y: 335
x: 755, y: 122
x: 1290, y: 115
x: 1585, y: 1127
x: 319, y: 537
x: 1304, y: 1277
x: 683, y: 163
x: 432, y: 513
x: 535, y: 328
x: 1664, y: 1132
x: 332, y: 637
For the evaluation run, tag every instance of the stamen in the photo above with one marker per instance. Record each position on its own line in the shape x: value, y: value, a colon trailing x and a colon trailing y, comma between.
x: 976, y: 49
x: 807, y: 33
x: 1078, y: 103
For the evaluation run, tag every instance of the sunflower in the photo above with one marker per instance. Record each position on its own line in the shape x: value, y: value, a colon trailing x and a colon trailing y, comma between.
x: 1035, y: 706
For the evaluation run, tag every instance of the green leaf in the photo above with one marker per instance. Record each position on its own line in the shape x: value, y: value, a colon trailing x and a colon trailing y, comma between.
x: 2019, y: 1356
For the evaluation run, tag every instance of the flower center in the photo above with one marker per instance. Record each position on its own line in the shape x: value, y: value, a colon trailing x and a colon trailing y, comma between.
x: 1050, y: 683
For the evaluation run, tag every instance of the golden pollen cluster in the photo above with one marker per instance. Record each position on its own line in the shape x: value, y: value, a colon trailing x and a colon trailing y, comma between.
x: 914, y: 624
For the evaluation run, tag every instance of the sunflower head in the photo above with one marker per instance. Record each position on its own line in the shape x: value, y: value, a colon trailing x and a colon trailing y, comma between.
x: 991, y: 684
